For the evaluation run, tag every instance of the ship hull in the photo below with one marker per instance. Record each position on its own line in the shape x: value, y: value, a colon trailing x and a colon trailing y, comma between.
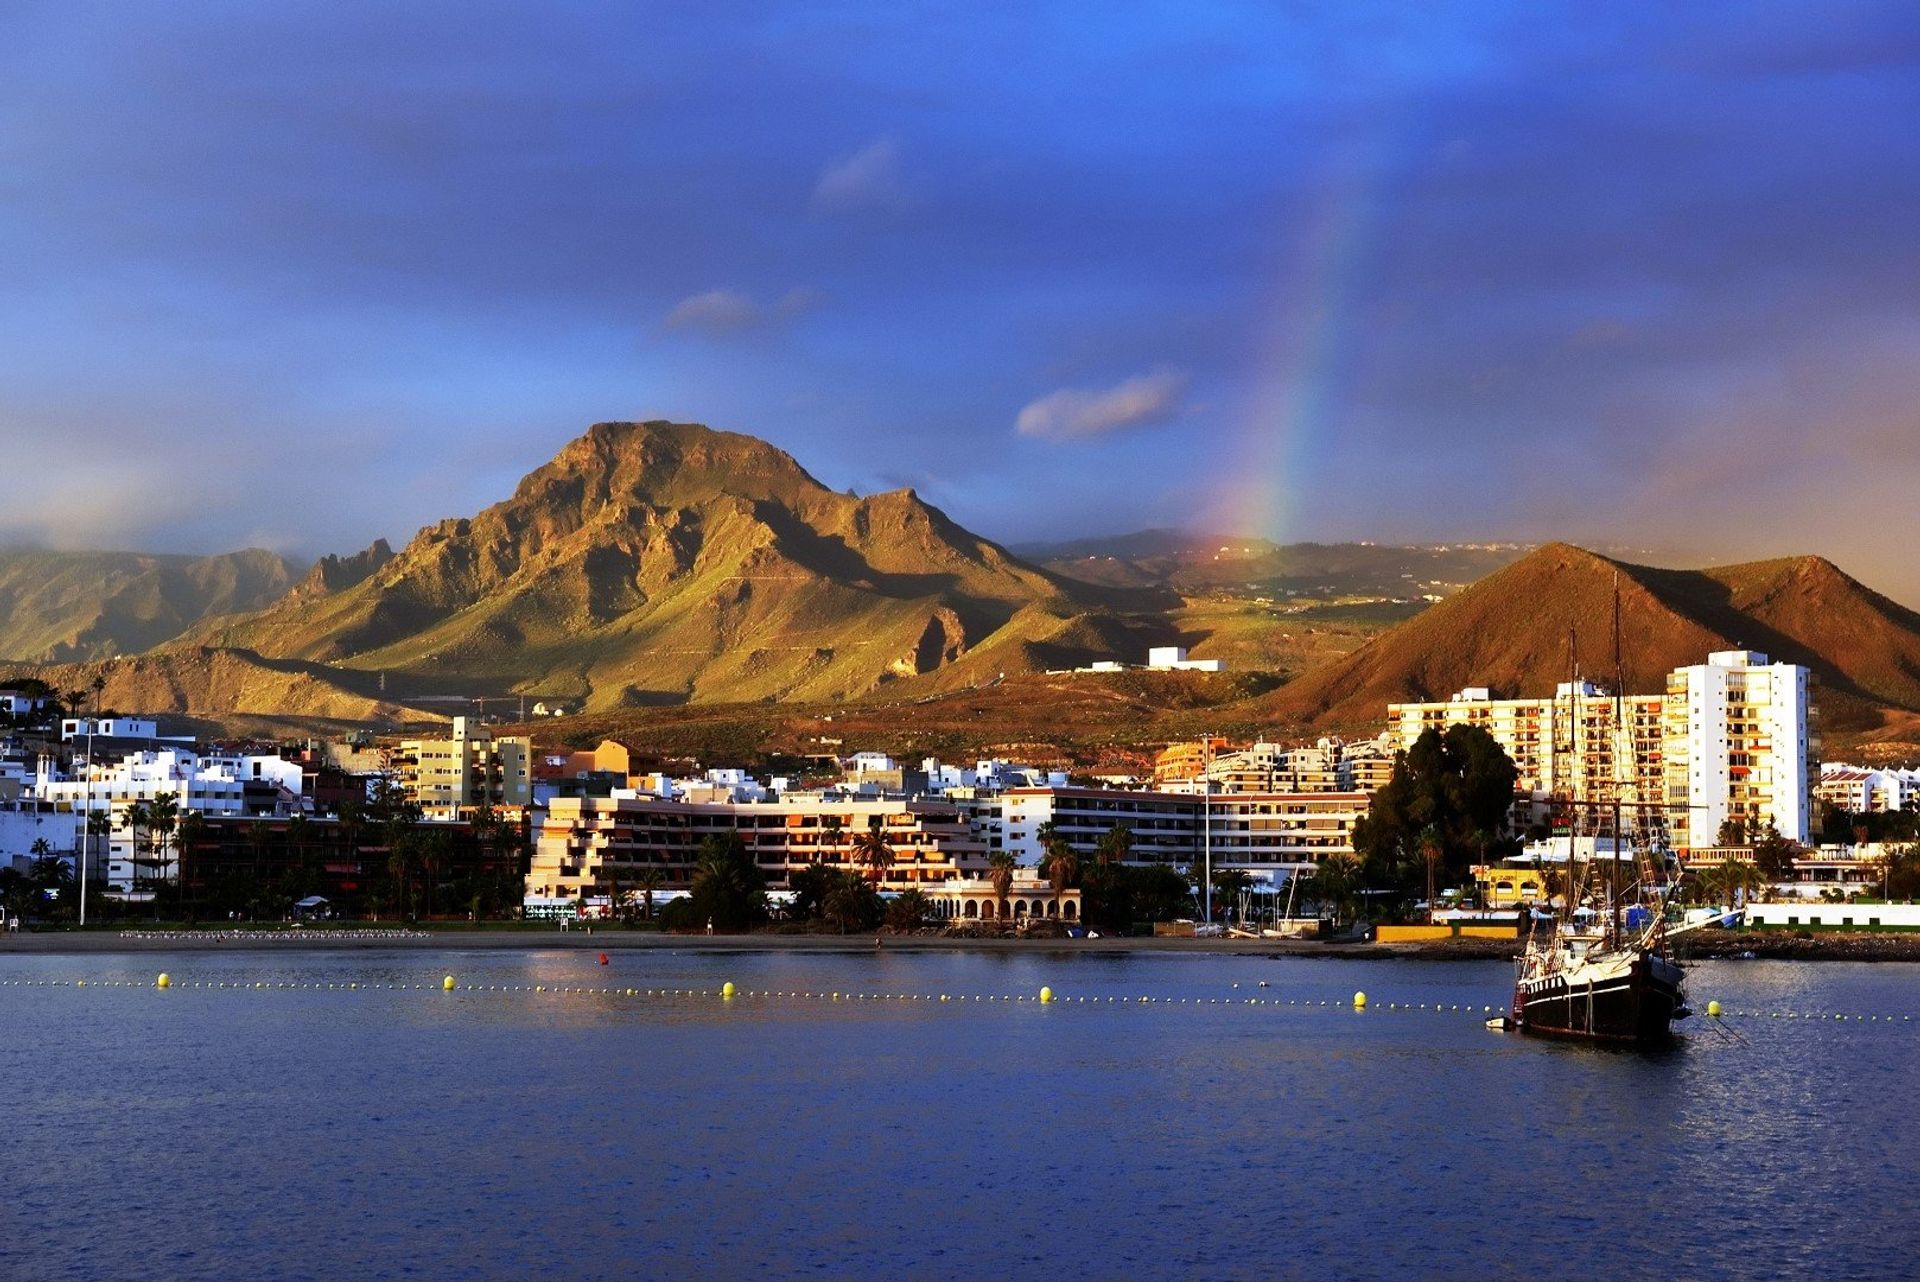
x: 1626, y: 999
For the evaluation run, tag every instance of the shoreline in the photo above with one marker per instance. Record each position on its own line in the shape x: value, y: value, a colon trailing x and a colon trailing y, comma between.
x: 1701, y: 946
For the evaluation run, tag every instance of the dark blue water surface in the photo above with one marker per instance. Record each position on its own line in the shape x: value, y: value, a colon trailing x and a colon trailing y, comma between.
x: 308, y: 1133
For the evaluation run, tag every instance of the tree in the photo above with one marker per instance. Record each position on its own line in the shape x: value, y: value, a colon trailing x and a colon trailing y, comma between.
x: 851, y: 902
x: 1431, y: 847
x: 1733, y: 832
x: 908, y: 911
x: 1060, y: 865
x: 809, y: 887
x: 1900, y: 872
x: 1115, y: 846
x: 1000, y: 866
x: 1228, y: 883
x: 187, y: 837
x: 1774, y: 854
x: 831, y: 828
x: 870, y: 849
x: 1160, y: 892
x: 1446, y: 791
x: 729, y: 889
x: 646, y: 881
x: 1336, y: 883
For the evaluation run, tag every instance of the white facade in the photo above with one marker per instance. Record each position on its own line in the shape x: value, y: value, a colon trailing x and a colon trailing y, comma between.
x: 1863, y: 789
x: 1738, y: 745
x: 1173, y: 658
x: 1267, y: 834
x: 110, y: 727
x: 209, y: 785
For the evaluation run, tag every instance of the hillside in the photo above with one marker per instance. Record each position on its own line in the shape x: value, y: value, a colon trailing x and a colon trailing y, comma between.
x: 1510, y: 632
x: 658, y: 563
x: 66, y: 606
x: 1194, y: 563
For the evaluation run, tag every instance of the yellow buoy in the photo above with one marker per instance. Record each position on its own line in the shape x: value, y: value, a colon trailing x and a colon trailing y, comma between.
x: 164, y: 981
x: 726, y: 989
x: 1713, y: 1009
x: 447, y: 983
x: 1359, y: 1001
x: 1046, y: 994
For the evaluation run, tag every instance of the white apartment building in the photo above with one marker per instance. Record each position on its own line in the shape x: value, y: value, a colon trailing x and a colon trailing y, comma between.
x: 1864, y: 790
x: 1727, y: 737
x: 209, y: 784
x: 110, y: 728
x: 1739, y: 745
x: 1564, y: 745
x: 591, y: 845
x: 1269, y: 834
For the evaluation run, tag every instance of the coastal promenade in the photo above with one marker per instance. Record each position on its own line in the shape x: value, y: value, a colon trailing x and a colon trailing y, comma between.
x: 163, y: 940
x: 1703, y: 945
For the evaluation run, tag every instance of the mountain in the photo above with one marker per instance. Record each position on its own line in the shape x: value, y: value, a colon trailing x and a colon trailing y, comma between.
x: 1510, y: 632
x: 664, y: 562
x: 1198, y: 563
x: 67, y: 606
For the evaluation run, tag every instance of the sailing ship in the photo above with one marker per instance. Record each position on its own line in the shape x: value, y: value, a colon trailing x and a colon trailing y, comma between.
x: 1599, y: 967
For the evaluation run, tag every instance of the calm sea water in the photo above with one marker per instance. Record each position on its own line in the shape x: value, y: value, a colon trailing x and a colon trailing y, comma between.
x: 203, y: 1133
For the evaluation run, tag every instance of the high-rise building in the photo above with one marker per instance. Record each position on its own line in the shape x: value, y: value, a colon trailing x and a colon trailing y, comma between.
x: 1728, y: 738
x: 453, y: 778
x: 1564, y: 746
x: 1739, y: 745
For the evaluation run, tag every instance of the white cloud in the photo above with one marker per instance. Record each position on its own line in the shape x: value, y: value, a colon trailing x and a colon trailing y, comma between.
x: 730, y: 311
x: 869, y: 179
x: 718, y: 311
x: 1075, y: 413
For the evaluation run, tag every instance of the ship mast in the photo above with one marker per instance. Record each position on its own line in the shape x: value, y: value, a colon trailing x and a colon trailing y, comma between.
x: 1622, y: 750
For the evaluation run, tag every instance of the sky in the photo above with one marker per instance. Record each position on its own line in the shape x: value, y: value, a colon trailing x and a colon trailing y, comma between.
x: 301, y: 275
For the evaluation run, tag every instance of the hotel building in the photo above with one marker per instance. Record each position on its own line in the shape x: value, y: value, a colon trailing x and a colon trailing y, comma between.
x: 1739, y: 746
x: 452, y: 778
x: 588, y: 845
x: 1727, y: 738
x: 1264, y: 833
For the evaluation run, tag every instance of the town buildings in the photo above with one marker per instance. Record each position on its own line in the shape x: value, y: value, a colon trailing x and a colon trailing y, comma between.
x: 470, y: 770
x: 592, y: 846
x: 1739, y: 745
x: 1272, y: 835
x: 1729, y: 738
x: 1863, y: 790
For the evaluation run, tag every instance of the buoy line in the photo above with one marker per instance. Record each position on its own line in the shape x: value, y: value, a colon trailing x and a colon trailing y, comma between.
x: 729, y: 992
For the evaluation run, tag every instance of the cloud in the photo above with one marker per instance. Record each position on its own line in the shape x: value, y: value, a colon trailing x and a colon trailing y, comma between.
x: 729, y: 311
x: 1074, y: 413
x: 717, y: 311
x: 869, y: 179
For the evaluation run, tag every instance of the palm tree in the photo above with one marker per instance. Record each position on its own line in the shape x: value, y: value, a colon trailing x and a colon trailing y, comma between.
x: 192, y: 827
x: 908, y: 911
x: 135, y: 820
x: 1061, y: 866
x: 1335, y: 882
x: 1229, y: 882
x: 1001, y: 864
x: 1430, y: 852
x: 870, y: 848
x: 1116, y: 846
x: 163, y: 816
x: 850, y: 902
x: 831, y: 827
x: 646, y: 881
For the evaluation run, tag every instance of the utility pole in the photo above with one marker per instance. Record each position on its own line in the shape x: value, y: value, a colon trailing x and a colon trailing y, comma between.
x: 86, y: 820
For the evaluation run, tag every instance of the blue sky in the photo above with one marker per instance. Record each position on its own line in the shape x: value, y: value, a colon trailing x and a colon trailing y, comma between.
x: 305, y: 274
